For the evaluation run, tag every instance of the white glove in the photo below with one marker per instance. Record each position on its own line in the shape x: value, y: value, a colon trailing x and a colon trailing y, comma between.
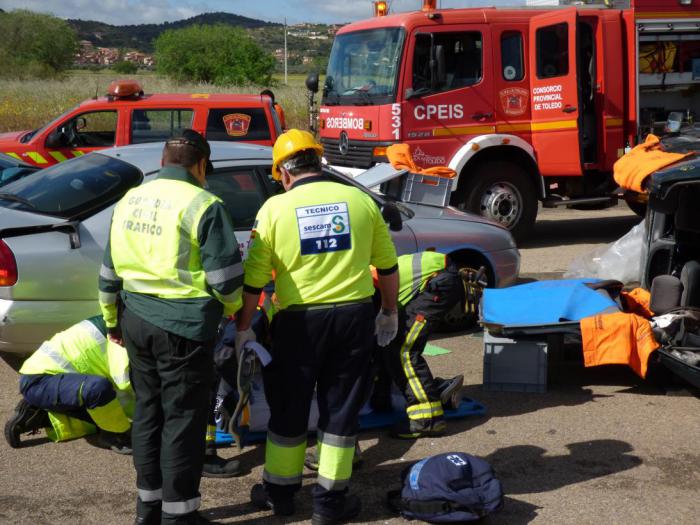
x: 242, y: 337
x: 385, y: 326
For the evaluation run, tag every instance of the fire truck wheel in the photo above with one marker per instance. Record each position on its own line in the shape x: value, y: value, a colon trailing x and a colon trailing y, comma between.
x: 502, y: 191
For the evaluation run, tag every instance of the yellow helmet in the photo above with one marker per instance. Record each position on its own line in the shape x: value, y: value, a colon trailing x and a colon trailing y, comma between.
x: 289, y: 143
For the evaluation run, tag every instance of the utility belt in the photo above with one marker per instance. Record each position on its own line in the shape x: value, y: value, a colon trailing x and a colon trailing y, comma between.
x: 325, y: 306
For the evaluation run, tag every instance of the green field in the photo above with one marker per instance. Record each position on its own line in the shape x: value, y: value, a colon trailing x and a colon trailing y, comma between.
x: 28, y: 104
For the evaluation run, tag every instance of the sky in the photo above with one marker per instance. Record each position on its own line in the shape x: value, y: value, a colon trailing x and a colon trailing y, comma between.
x: 121, y: 12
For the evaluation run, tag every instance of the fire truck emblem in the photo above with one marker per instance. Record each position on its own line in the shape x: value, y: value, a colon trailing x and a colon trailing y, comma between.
x: 514, y: 100
x: 237, y: 124
x: 343, y: 145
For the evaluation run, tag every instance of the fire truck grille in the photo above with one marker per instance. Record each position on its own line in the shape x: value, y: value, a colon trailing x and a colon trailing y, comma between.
x: 359, y: 154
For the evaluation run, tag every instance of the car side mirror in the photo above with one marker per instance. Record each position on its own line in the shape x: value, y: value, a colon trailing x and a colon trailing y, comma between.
x: 312, y: 82
x: 56, y: 139
x: 392, y: 216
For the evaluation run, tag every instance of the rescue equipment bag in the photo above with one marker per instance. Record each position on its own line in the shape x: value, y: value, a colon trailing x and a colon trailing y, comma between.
x: 447, y: 488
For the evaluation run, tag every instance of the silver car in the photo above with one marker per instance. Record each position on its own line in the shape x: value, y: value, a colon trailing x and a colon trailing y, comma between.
x: 54, y: 225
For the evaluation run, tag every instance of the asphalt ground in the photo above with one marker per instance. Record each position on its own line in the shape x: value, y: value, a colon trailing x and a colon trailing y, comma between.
x: 600, y: 447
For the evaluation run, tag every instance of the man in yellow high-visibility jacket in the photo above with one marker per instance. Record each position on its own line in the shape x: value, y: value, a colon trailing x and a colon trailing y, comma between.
x: 319, y: 238
x: 76, y: 383
x: 174, y: 260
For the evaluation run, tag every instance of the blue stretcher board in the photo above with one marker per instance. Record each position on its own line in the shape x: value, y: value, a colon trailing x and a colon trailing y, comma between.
x: 373, y: 420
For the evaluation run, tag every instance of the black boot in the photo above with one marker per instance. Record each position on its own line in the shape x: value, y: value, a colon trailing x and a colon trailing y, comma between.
x: 349, y: 509
x: 261, y: 499
x: 218, y: 467
x: 26, y: 419
x: 119, y: 442
x: 415, y: 429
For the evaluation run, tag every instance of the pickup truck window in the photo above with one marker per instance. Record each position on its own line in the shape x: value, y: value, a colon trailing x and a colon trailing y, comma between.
x: 154, y: 125
x: 96, y: 129
x: 238, y: 124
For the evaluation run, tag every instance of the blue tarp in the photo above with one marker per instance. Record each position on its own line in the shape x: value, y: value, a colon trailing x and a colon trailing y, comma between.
x: 544, y: 302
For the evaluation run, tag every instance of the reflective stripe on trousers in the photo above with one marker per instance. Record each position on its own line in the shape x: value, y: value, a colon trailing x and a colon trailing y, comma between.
x: 335, y: 455
x: 148, y: 496
x: 182, y: 507
x: 284, y: 459
x: 409, y: 372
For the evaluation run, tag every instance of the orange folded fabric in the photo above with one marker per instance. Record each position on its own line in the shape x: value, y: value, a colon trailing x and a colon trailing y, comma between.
x: 618, y: 339
x: 637, y: 302
x: 400, y: 157
x: 632, y: 169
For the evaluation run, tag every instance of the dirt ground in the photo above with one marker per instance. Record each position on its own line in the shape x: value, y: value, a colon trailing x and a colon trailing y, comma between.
x: 600, y: 447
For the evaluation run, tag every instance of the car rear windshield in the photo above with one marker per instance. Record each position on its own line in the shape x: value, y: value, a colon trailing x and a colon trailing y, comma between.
x: 73, y: 189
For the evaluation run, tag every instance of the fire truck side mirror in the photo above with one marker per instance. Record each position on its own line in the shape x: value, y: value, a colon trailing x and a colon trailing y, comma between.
x: 392, y: 216
x: 312, y: 82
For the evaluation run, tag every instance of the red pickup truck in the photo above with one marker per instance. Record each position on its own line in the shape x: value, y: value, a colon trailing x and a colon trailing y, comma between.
x: 128, y: 116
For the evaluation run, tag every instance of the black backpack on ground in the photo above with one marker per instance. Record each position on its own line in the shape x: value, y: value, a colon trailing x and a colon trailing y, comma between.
x: 448, y: 488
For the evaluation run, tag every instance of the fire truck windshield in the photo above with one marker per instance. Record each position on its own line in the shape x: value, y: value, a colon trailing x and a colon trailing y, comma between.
x: 363, y: 67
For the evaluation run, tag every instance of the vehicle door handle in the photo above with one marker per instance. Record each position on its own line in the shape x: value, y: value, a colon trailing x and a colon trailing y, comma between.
x: 482, y: 116
x: 569, y: 109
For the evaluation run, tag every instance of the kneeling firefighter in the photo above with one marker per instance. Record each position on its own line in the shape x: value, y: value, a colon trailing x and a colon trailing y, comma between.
x: 73, y: 385
x: 430, y: 287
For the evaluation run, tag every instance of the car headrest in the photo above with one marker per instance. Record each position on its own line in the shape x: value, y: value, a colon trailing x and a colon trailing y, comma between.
x: 666, y: 291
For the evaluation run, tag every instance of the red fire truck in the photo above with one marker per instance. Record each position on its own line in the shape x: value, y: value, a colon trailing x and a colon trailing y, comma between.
x: 526, y: 104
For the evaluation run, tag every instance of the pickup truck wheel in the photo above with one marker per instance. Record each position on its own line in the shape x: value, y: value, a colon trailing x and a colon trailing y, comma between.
x: 501, y: 191
x: 640, y: 208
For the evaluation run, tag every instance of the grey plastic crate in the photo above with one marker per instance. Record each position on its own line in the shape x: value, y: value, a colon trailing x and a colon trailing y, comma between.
x: 426, y: 189
x: 514, y: 365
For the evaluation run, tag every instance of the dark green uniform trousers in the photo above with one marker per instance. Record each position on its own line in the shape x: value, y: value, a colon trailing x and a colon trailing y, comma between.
x: 171, y: 377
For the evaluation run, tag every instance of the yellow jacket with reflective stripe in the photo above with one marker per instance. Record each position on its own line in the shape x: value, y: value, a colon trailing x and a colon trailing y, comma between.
x: 82, y: 349
x: 415, y: 270
x: 320, y: 238
x: 153, y: 240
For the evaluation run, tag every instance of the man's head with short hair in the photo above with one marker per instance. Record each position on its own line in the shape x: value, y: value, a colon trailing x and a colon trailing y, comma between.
x: 306, y: 161
x: 191, y: 151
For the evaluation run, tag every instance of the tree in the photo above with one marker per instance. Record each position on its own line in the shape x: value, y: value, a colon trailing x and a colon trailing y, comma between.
x: 33, y: 44
x: 218, y: 54
x: 124, y: 67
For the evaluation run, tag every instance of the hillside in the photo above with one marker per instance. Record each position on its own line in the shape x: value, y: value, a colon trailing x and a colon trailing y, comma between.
x: 140, y: 37
x: 308, y: 45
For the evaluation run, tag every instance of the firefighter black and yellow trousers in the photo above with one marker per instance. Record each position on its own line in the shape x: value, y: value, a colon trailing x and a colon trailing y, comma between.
x: 171, y: 377
x: 404, y: 360
x: 327, y: 348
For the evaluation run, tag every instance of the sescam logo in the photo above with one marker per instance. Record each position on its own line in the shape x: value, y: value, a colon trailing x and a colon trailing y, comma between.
x: 345, y: 123
x: 324, y: 228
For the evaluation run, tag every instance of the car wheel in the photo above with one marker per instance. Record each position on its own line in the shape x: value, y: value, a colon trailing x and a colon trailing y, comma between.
x: 501, y: 191
x: 640, y: 208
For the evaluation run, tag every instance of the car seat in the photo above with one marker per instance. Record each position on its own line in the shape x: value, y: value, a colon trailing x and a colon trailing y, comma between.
x: 669, y: 292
